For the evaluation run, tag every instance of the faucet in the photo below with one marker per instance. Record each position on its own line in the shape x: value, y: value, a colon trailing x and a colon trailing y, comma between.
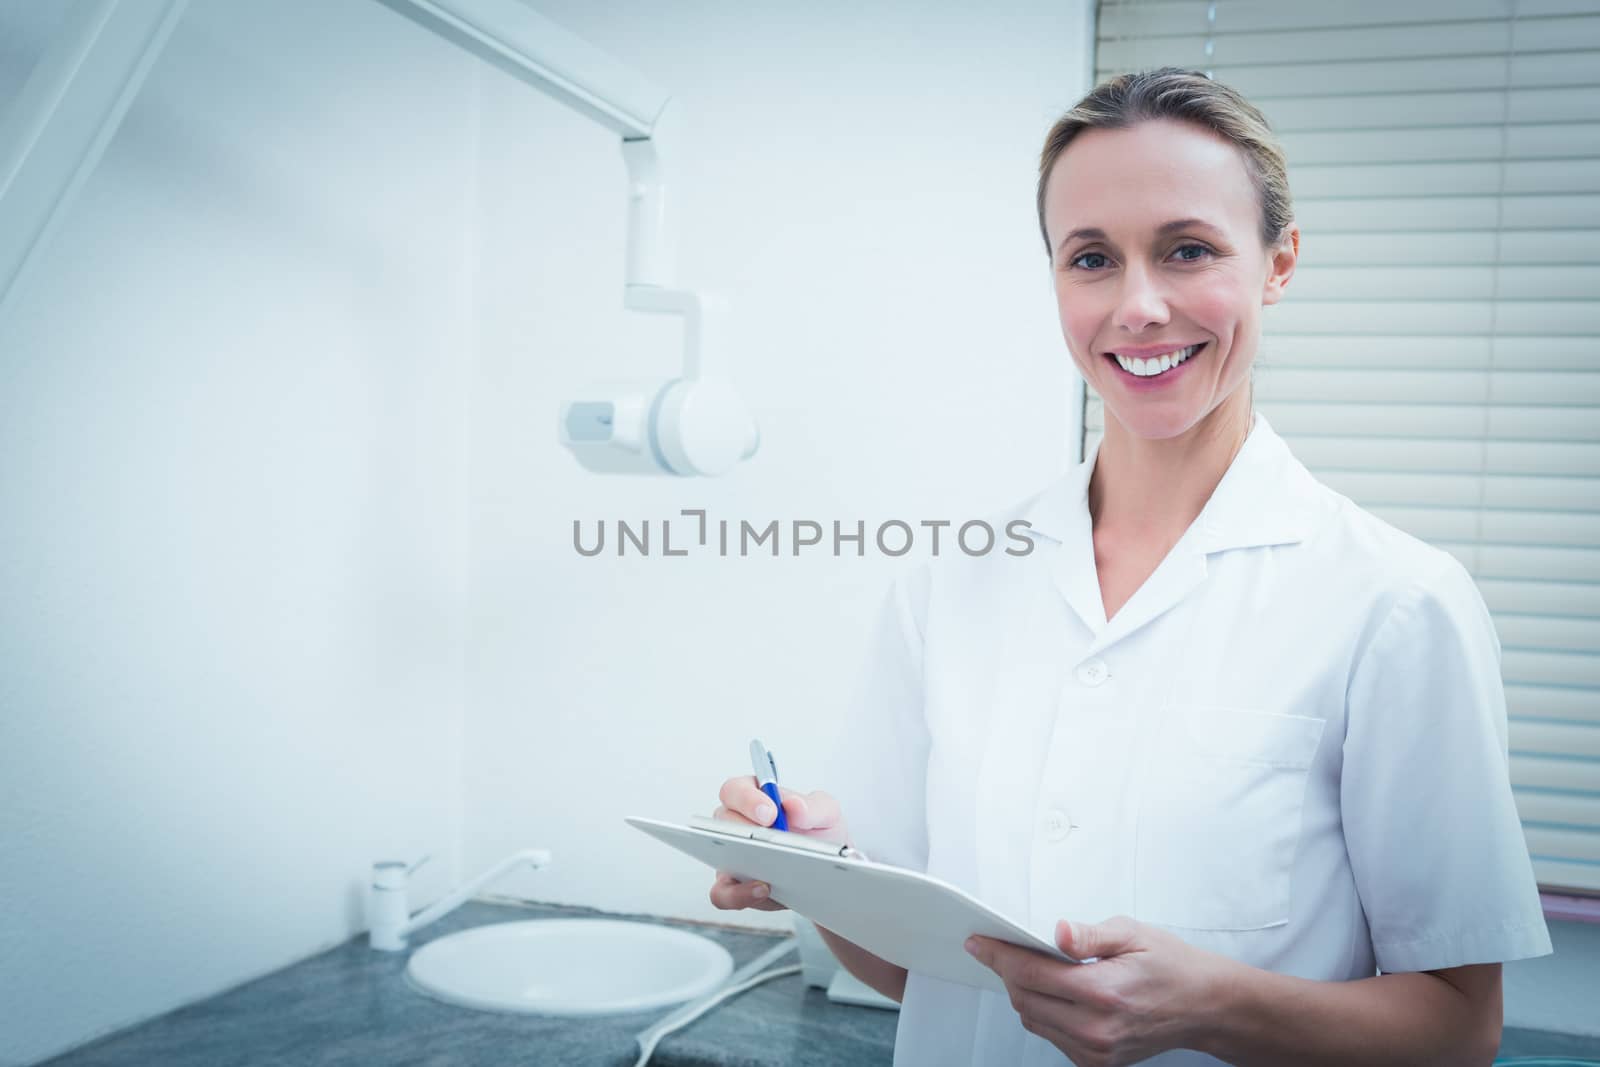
x: 389, y: 922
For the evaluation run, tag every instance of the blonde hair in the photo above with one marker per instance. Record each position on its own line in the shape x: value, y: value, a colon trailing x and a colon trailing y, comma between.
x: 1186, y: 96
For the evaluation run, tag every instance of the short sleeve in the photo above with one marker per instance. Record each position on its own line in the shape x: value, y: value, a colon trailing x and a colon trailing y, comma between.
x: 880, y: 773
x: 1433, y: 835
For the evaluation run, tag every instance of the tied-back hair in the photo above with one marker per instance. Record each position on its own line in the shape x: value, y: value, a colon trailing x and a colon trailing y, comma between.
x: 1183, y: 96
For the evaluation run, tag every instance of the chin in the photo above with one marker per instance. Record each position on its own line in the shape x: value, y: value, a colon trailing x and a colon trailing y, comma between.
x: 1157, y: 421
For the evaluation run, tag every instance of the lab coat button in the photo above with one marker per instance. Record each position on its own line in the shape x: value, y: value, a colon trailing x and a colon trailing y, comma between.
x: 1093, y: 672
x: 1057, y: 824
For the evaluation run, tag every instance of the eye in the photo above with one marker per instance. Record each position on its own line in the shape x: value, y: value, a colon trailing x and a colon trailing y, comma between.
x: 1086, y: 255
x: 1191, y: 259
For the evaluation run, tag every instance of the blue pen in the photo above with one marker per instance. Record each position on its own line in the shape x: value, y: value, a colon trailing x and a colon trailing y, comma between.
x: 767, y: 778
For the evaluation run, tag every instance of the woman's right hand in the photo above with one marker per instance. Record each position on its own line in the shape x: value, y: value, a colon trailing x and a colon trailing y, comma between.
x: 814, y: 814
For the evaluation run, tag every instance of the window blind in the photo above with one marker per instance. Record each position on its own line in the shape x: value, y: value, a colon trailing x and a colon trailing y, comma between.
x: 1436, y: 357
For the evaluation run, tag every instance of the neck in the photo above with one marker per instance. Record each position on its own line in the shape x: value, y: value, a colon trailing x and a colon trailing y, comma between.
x: 1156, y: 488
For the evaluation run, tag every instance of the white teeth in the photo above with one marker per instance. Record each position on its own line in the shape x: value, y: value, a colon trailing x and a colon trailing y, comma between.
x: 1149, y: 368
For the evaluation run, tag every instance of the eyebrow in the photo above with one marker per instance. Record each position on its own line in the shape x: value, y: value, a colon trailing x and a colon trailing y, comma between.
x: 1164, y: 228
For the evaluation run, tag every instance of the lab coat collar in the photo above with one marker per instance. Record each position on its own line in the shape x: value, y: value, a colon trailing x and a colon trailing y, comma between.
x: 1266, y: 497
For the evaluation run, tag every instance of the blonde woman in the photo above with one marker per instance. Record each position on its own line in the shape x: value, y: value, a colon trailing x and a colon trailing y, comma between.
x: 1223, y: 731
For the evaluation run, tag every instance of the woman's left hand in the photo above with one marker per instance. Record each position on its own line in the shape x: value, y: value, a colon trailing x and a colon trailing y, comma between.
x: 1145, y: 993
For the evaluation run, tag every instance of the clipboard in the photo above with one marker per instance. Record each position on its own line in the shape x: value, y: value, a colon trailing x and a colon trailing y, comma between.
x: 909, y: 918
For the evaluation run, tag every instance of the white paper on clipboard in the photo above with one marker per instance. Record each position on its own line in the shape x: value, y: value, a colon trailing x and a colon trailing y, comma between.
x: 906, y: 917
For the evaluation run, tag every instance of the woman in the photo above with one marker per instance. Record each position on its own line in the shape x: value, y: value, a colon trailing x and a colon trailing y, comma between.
x: 1261, y: 729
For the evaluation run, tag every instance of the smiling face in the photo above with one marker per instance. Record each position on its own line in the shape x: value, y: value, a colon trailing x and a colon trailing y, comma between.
x: 1157, y: 236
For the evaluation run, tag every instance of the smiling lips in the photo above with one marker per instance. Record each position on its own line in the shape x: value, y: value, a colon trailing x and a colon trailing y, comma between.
x: 1155, y: 364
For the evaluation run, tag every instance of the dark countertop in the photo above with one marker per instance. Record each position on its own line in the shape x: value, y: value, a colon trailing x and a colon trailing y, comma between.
x: 351, y: 1005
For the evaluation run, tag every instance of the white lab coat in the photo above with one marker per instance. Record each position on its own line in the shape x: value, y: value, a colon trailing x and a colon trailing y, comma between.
x: 1288, y: 747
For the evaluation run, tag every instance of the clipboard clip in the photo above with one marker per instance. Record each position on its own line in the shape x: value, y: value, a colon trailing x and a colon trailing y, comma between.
x: 783, y: 838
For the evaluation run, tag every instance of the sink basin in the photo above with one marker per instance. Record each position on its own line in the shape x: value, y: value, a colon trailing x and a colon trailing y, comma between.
x: 569, y: 966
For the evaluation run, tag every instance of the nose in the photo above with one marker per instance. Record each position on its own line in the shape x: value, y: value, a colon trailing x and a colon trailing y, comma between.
x: 1140, y: 302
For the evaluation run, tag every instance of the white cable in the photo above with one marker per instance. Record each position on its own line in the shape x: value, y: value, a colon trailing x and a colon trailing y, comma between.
x: 650, y: 1038
x: 649, y: 1044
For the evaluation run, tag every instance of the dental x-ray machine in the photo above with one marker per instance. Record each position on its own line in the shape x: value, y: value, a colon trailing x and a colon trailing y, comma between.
x: 56, y: 129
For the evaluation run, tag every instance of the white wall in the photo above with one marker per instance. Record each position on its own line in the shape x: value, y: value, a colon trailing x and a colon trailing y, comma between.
x: 245, y: 595
x: 859, y: 179
x: 232, y: 516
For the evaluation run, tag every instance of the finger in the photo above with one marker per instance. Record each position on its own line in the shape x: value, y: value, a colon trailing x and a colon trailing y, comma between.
x: 734, y: 897
x: 730, y: 894
x: 812, y: 811
x: 744, y: 796
x: 1071, y: 1018
x: 726, y: 879
x: 730, y: 816
x: 741, y: 896
x: 720, y: 895
x: 751, y: 893
x: 1069, y: 1026
x: 1025, y: 968
x: 1115, y: 936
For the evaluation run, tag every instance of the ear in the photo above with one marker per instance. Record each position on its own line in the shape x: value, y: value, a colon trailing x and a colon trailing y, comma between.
x: 1281, y: 263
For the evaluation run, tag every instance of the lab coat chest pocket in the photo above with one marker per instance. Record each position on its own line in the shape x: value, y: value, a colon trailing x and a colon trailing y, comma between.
x: 1220, y: 816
